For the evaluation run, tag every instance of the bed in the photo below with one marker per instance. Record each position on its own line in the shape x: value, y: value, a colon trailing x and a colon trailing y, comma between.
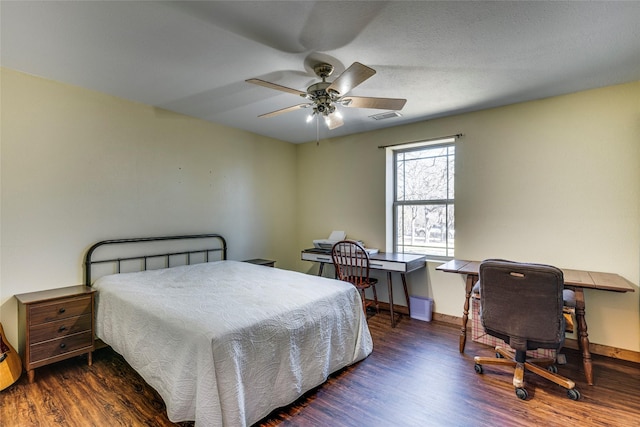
x: 223, y: 342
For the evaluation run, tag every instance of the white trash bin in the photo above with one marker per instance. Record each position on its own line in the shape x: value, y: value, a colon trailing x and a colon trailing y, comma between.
x: 421, y: 308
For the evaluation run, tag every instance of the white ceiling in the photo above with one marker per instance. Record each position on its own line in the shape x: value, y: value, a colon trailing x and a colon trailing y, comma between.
x: 443, y: 57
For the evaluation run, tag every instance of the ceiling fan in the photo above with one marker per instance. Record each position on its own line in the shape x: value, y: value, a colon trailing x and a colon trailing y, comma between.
x: 324, y: 95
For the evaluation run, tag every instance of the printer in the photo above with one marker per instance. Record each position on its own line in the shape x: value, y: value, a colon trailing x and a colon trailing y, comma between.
x: 335, y: 237
x: 327, y: 244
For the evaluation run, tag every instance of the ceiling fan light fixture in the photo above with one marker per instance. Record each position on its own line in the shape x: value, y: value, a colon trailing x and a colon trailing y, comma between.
x: 325, y: 96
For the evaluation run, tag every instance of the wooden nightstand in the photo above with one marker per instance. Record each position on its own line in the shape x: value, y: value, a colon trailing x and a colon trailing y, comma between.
x: 54, y: 325
x: 260, y: 261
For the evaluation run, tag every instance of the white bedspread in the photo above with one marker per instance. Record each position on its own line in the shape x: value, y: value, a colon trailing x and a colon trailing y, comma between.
x: 225, y: 343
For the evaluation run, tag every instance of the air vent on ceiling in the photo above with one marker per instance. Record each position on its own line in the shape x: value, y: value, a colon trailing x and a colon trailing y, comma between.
x: 387, y: 115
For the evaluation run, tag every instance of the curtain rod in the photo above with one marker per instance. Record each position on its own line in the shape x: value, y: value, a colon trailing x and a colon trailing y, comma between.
x: 457, y: 135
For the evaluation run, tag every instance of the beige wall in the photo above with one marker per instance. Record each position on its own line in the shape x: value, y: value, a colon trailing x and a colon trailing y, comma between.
x: 78, y: 166
x: 554, y: 181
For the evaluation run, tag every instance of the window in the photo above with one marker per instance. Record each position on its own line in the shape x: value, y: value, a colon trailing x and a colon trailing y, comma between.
x: 423, y: 201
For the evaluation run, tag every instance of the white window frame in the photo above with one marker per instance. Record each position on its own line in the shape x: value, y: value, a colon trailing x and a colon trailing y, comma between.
x: 391, y: 197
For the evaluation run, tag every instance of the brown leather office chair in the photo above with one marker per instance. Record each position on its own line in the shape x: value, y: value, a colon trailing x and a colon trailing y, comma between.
x: 351, y: 262
x: 522, y: 303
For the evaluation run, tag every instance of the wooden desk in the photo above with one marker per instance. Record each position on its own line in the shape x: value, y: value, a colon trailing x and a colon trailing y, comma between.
x: 577, y: 280
x: 386, y: 261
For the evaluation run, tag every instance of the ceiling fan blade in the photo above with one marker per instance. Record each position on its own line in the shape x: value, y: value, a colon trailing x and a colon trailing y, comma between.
x: 285, y: 110
x: 352, y: 77
x: 378, y: 103
x: 333, y: 121
x: 276, y: 86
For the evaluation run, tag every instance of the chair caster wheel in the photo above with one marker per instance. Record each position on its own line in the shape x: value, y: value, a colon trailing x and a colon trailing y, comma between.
x: 573, y: 394
x: 478, y: 368
x: 522, y: 393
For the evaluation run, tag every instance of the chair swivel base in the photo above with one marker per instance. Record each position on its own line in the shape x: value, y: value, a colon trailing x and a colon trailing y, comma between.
x: 543, y: 367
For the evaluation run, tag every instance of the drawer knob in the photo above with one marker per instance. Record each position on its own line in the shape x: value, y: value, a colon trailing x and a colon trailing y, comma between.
x: 62, y: 310
x: 62, y: 328
x: 63, y: 345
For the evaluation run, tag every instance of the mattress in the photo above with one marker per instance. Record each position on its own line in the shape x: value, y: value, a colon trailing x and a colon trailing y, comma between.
x: 225, y: 343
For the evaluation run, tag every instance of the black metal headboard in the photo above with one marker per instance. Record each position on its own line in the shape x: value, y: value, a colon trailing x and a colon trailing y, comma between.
x: 220, y: 247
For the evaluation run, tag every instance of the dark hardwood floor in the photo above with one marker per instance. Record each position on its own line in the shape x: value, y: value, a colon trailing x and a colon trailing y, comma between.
x: 414, y: 377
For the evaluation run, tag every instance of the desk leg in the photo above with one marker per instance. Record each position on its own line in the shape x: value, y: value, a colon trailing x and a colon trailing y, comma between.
x: 390, y: 286
x: 465, y: 313
x: 583, y: 336
x: 321, y: 269
x: 406, y: 292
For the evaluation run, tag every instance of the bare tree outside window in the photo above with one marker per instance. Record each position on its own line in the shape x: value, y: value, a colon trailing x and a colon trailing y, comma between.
x: 424, y: 200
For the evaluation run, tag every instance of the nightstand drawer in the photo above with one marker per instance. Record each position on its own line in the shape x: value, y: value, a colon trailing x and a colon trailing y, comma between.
x: 60, y: 309
x: 57, y: 347
x: 59, y: 328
